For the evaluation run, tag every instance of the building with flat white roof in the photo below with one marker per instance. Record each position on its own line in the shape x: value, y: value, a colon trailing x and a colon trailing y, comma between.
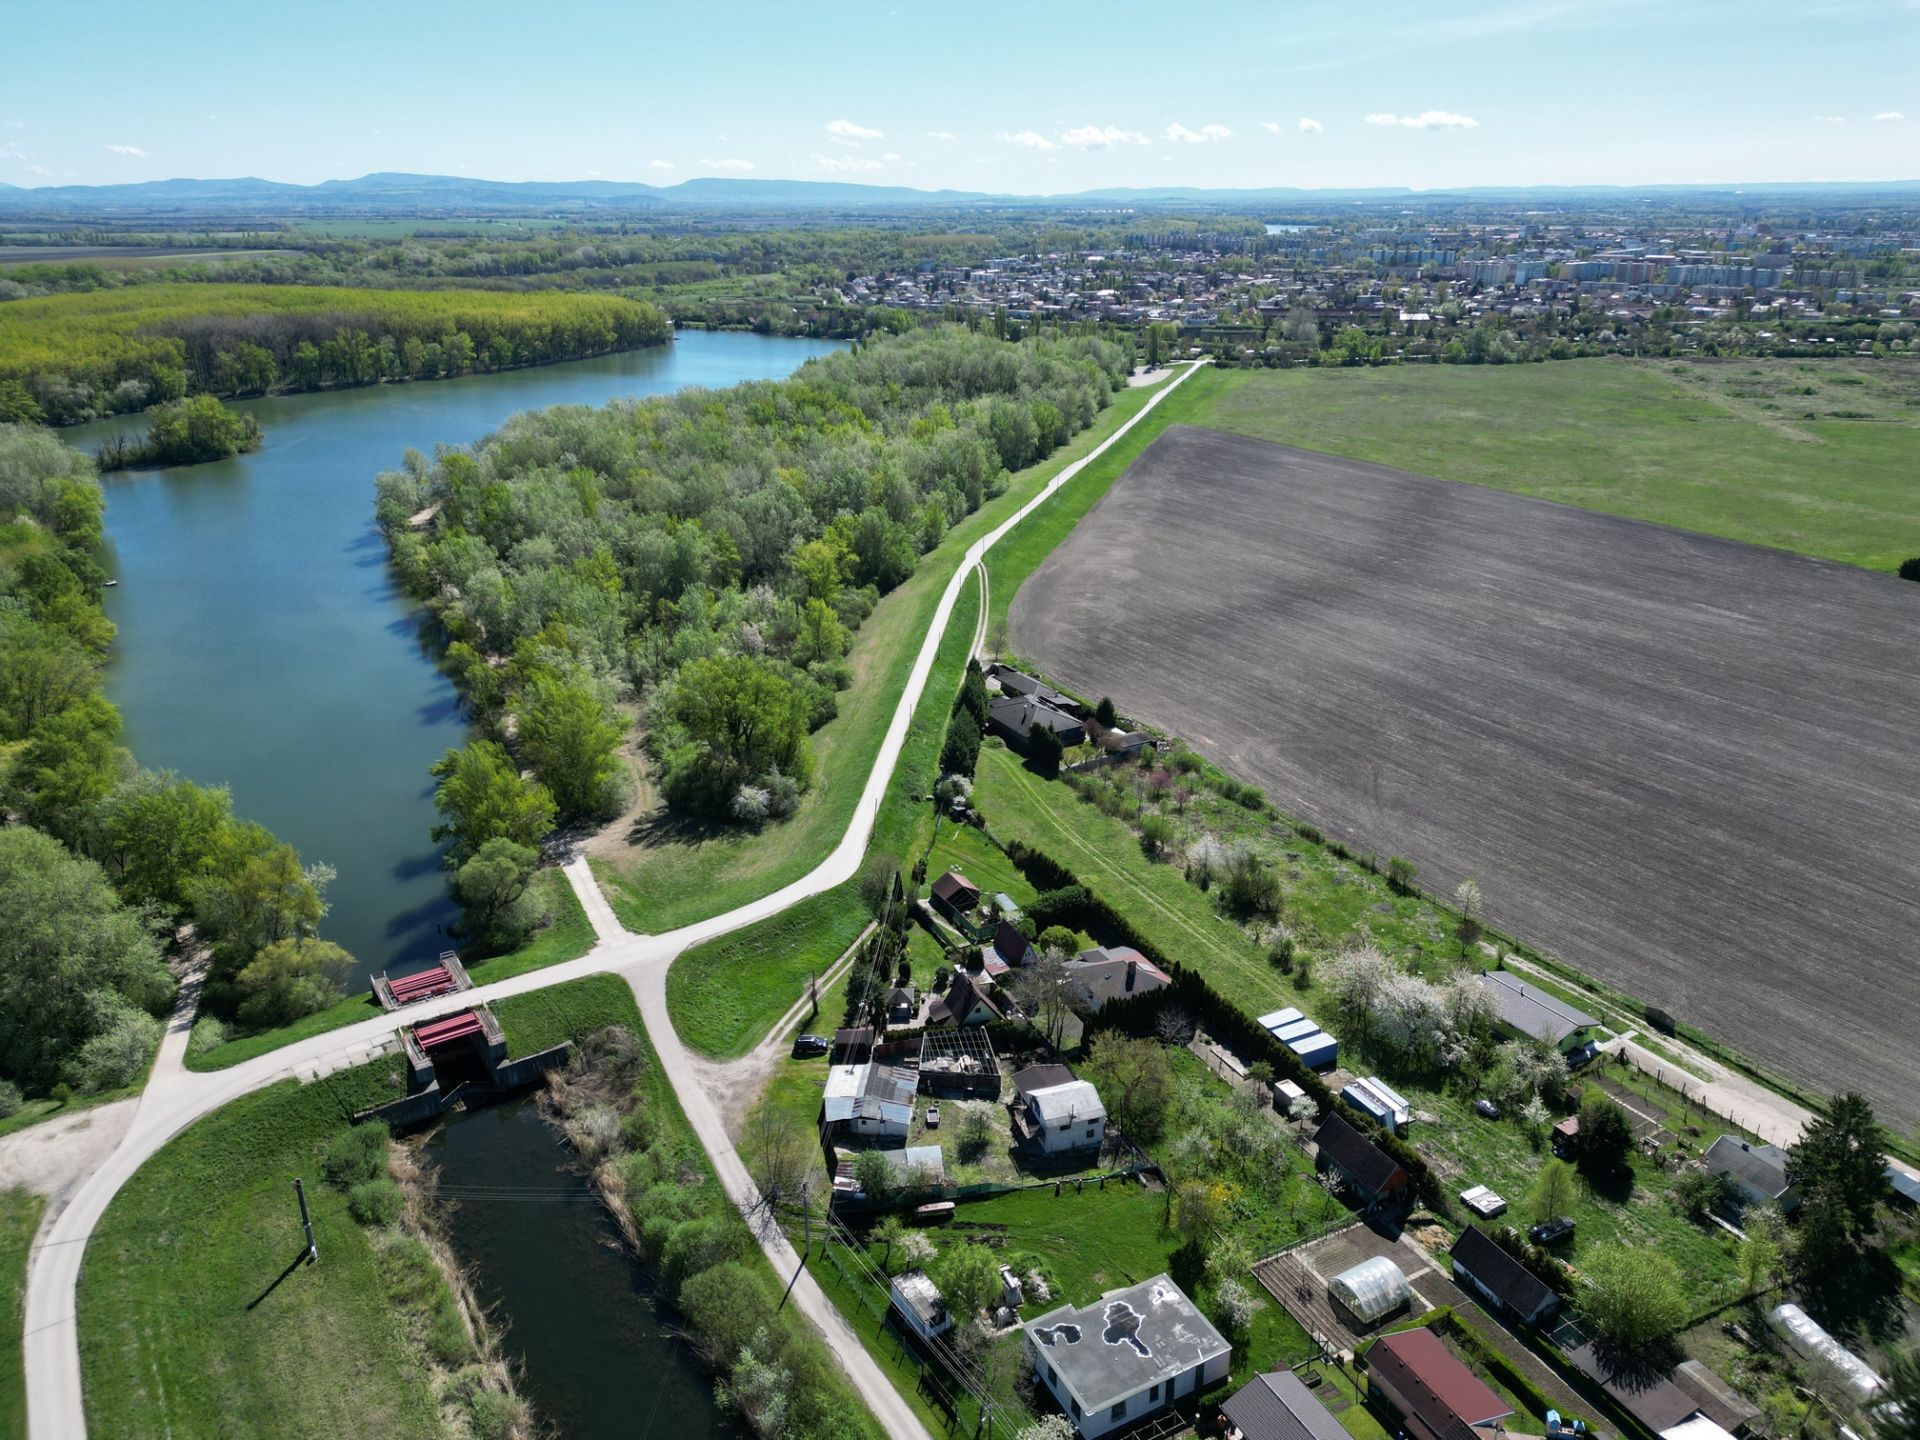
x: 1130, y: 1353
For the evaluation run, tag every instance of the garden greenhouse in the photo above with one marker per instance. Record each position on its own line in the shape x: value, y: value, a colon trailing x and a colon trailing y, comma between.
x: 1371, y: 1290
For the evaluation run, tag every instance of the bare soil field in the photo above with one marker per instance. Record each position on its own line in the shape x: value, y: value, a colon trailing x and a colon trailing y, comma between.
x: 1689, y: 767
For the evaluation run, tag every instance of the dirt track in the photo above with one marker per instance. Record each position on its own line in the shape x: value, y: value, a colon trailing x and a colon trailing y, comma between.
x: 1687, y: 766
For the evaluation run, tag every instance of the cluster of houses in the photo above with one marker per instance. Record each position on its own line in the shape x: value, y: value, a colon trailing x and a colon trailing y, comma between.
x: 1018, y: 704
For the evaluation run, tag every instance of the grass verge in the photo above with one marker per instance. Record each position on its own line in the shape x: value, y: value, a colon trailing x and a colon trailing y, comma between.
x: 726, y: 994
x: 20, y: 1212
x: 567, y: 938
x: 672, y: 878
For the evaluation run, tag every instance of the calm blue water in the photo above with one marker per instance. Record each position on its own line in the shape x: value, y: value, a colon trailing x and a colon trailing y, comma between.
x: 263, y: 643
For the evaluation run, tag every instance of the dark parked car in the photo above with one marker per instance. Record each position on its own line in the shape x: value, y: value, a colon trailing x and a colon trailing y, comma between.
x: 1486, y: 1108
x: 1552, y: 1232
x: 805, y: 1045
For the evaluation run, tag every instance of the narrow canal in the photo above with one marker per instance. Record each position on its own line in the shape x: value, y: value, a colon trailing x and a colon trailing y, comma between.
x: 599, y: 1352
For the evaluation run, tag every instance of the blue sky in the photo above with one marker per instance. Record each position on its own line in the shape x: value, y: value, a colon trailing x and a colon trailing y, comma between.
x: 1040, y: 96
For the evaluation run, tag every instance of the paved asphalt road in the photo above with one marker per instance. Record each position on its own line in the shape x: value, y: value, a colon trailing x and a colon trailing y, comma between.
x: 175, y: 1097
x: 1687, y: 766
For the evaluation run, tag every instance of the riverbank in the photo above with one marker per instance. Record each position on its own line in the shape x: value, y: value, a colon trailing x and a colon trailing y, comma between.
x: 197, y: 1317
x: 618, y: 1109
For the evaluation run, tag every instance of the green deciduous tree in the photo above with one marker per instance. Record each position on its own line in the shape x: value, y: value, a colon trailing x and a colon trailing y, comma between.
x: 1606, y: 1135
x: 572, y: 737
x: 968, y: 1277
x: 254, y: 891
x: 71, y: 761
x: 66, y: 944
x: 156, y: 832
x: 1553, y: 1193
x: 482, y: 797
x: 291, y: 978
x: 1632, y: 1297
x: 493, y: 887
x: 740, y: 719
x: 1135, y: 1083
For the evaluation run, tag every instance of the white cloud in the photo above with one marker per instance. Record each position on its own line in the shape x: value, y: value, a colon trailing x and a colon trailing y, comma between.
x: 39, y: 170
x: 1889, y: 115
x: 939, y: 134
x: 1180, y: 134
x: 1272, y: 127
x: 1101, y: 137
x: 659, y: 165
x: 731, y: 167
x: 1028, y: 140
x: 134, y: 150
x: 1310, y: 126
x: 845, y: 132
x: 1829, y: 119
x: 890, y: 155
x: 16, y: 124
x: 1425, y: 120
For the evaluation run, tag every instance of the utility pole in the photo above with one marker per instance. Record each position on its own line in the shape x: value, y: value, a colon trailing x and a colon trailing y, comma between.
x: 306, y: 1223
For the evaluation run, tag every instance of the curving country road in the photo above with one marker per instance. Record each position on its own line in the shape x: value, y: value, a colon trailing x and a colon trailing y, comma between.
x: 176, y: 1097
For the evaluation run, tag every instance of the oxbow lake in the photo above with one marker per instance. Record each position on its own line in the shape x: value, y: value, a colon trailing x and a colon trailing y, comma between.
x: 264, y: 644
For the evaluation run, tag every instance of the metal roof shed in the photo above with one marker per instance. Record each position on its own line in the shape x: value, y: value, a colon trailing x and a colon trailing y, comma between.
x: 1372, y: 1289
x: 1316, y: 1051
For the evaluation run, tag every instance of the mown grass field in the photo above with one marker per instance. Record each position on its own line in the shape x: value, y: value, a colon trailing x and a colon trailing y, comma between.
x: 662, y: 877
x: 20, y: 1212
x: 1811, y: 456
x: 567, y: 938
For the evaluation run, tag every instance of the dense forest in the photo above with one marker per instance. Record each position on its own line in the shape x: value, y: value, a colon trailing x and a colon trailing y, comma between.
x: 103, y: 861
x: 74, y: 356
x: 708, y: 554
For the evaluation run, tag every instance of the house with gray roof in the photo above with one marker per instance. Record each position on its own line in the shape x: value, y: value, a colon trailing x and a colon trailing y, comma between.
x: 1522, y: 1010
x: 1132, y: 1352
x: 1278, y: 1406
x: 1112, y: 973
x: 1758, y: 1171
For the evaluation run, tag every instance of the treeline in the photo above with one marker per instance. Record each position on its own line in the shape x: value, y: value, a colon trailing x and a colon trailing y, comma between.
x: 708, y: 554
x: 105, y: 860
x: 73, y: 357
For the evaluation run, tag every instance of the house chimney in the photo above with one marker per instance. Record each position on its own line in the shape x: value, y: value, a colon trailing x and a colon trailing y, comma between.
x: 1133, y: 967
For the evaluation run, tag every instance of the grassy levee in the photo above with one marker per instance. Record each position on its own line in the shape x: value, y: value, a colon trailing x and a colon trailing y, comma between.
x: 567, y: 938
x: 20, y: 1212
x: 726, y: 994
x: 168, y: 1343
x: 1815, y: 457
x: 674, y: 878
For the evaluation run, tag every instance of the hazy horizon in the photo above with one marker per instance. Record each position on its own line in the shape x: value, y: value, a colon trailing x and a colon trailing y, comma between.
x: 1023, y: 100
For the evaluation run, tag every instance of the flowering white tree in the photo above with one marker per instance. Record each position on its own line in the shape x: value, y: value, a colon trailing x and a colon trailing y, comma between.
x: 1355, y: 978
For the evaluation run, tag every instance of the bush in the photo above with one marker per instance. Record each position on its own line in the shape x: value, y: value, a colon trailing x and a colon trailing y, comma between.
x: 10, y: 1099
x: 1401, y: 873
x: 119, y: 1054
x: 1910, y: 569
x: 290, y: 979
x: 209, y: 1033
x: 356, y: 1156
x: 375, y: 1202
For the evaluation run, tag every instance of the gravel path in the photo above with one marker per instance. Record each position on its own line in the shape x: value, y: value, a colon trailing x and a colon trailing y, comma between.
x: 1689, y: 767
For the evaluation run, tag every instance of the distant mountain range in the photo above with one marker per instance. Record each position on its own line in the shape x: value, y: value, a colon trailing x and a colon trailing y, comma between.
x: 390, y: 193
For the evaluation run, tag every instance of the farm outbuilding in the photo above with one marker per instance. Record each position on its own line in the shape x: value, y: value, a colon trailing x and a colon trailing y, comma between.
x: 1371, y: 1290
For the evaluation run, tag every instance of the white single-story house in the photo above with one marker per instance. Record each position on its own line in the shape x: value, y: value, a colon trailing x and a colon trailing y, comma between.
x: 1132, y: 1352
x: 871, y: 1099
x: 1063, y: 1118
x: 919, y: 1304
